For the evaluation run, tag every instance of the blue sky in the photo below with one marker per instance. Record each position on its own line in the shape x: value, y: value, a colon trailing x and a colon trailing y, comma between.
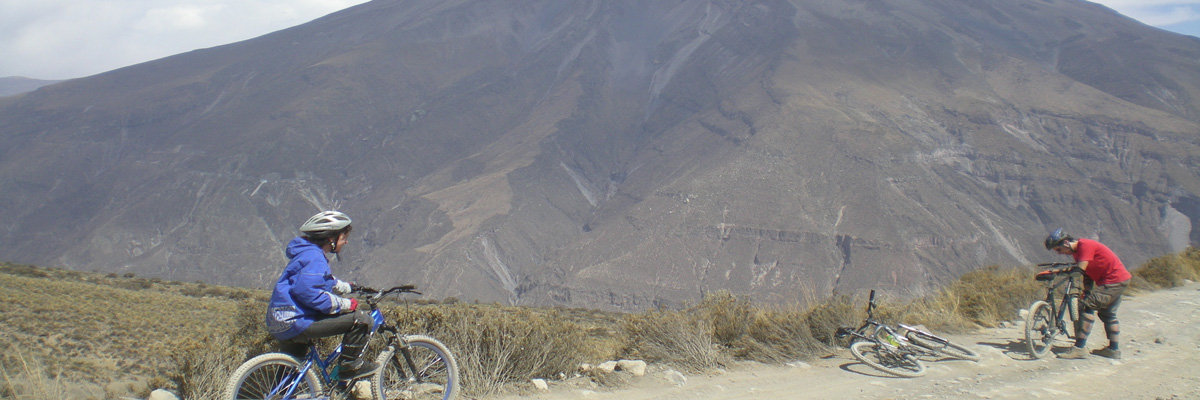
x: 60, y: 39
x: 1182, y: 16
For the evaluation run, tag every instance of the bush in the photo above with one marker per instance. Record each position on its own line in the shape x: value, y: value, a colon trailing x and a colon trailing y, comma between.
x: 203, y: 363
x: 497, y: 345
x: 674, y: 337
x: 825, y: 318
x: 729, y: 315
x: 1170, y: 270
x: 779, y: 336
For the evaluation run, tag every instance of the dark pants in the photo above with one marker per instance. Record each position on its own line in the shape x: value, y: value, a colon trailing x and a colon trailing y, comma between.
x: 1101, y: 300
x: 354, y: 327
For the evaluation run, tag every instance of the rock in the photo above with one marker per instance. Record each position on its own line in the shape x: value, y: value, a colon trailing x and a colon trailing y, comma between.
x: 635, y: 367
x: 675, y: 377
x: 607, y: 367
x: 799, y: 364
x: 585, y: 368
x: 1024, y: 313
x: 160, y: 394
x: 540, y: 384
x: 362, y: 390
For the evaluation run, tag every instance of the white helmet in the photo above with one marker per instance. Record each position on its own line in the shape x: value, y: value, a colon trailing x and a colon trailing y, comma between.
x: 324, y: 224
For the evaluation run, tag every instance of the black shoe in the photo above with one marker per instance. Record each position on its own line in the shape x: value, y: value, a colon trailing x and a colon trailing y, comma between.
x: 364, y: 369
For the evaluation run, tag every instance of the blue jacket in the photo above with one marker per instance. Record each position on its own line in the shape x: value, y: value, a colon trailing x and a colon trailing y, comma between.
x: 304, y: 292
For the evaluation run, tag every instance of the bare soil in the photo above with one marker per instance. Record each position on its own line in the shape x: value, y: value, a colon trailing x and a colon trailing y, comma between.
x: 1161, y: 356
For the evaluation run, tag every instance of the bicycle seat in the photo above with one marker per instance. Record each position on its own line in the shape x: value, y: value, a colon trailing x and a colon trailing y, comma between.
x: 1045, y: 275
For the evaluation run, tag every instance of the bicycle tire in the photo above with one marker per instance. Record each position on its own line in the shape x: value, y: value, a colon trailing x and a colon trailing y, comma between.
x: 941, y: 346
x: 259, y: 376
x: 879, y: 357
x: 1040, y: 329
x: 1073, y: 306
x: 436, y: 369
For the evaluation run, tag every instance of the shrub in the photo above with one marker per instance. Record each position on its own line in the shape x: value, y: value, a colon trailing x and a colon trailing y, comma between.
x: 28, y: 378
x: 729, y: 315
x: 824, y: 318
x: 204, y: 362
x: 673, y: 337
x: 1169, y: 270
x: 778, y: 336
x: 497, y: 345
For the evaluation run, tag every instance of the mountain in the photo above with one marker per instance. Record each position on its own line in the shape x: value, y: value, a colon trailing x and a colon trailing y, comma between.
x: 14, y: 85
x: 622, y: 154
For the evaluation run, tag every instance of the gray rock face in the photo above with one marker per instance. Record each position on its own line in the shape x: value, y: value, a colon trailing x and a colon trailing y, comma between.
x: 622, y: 154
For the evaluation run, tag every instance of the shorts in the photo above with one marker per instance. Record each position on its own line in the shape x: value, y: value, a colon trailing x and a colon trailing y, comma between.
x: 1104, y: 298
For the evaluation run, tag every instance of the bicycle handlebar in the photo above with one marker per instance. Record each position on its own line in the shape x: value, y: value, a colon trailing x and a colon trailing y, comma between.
x: 373, y: 295
x: 1057, y: 264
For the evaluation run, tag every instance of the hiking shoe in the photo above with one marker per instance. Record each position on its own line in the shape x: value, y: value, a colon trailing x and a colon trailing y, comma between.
x: 1075, y: 353
x: 364, y: 369
x: 1108, y: 352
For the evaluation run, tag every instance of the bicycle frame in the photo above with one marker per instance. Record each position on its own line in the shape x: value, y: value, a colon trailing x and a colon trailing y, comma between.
x: 287, y: 387
x: 874, y: 330
x: 1061, y: 308
x: 313, y: 358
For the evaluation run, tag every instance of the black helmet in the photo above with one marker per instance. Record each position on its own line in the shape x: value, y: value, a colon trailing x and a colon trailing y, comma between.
x: 1056, y: 238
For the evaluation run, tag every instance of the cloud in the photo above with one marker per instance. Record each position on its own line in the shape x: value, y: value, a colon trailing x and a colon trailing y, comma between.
x: 59, y: 39
x: 1157, y: 12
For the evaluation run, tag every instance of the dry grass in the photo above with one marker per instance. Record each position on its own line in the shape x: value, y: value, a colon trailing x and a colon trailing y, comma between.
x: 92, y: 329
x: 983, y: 297
x: 1169, y: 271
x: 497, y: 345
x: 25, y: 378
x: 673, y: 337
x: 188, y: 337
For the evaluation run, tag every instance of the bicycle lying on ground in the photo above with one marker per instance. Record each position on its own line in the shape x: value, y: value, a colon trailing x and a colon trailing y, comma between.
x: 886, y: 349
x: 410, y: 367
x: 1049, y: 319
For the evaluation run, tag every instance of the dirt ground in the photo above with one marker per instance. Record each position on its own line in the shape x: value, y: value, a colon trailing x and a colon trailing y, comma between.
x: 1160, y: 341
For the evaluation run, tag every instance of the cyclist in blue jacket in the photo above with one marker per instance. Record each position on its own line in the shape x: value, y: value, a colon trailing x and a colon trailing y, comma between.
x: 307, y: 302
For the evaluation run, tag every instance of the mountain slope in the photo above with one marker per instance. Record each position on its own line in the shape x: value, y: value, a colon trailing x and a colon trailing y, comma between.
x: 622, y: 154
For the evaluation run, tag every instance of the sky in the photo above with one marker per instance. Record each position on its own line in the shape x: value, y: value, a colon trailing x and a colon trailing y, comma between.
x: 62, y: 39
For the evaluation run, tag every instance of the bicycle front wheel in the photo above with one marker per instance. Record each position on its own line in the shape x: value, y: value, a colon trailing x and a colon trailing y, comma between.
x: 424, y: 369
x: 884, y: 359
x: 271, y: 376
x: 941, y: 346
x: 1040, y: 329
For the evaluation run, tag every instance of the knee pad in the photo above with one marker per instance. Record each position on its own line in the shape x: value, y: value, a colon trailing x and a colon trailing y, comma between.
x: 1108, y: 317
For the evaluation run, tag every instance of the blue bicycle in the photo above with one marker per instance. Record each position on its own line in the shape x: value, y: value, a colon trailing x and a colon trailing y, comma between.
x: 412, y: 367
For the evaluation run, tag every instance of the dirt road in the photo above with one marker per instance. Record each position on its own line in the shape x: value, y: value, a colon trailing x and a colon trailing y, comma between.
x: 1161, y: 360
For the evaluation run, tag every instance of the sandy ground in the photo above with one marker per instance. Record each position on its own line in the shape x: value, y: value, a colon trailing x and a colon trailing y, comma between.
x: 1161, y: 360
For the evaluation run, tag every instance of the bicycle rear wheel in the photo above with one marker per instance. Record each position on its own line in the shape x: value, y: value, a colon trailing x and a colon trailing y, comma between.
x: 884, y: 359
x: 1040, y: 329
x: 941, y: 346
x: 269, y: 376
x: 432, y: 374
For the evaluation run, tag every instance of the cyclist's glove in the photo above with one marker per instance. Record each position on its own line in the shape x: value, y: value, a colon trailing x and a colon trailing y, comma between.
x: 344, y: 305
x: 342, y: 287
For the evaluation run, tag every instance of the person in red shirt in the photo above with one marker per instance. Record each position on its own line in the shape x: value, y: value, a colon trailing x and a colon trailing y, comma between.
x: 1105, y: 279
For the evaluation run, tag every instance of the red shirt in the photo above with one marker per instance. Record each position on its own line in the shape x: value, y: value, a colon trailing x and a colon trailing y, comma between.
x: 1103, y: 265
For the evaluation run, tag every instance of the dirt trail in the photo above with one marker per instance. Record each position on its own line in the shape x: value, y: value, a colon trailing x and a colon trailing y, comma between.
x: 1161, y: 360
